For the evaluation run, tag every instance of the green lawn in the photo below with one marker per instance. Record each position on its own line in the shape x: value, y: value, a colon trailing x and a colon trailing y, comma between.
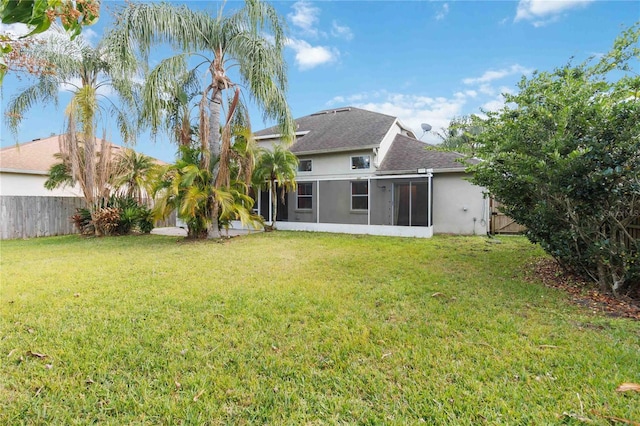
x: 297, y: 328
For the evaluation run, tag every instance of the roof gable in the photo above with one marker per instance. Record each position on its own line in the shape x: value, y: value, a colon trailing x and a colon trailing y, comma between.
x: 342, y: 129
x: 407, y: 154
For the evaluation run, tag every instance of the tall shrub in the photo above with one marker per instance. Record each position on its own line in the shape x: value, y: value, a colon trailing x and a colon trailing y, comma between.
x: 564, y: 159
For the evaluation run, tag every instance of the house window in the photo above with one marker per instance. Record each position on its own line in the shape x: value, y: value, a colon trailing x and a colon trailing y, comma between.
x: 305, y: 166
x: 359, y: 195
x: 361, y: 162
x: 305, y: 196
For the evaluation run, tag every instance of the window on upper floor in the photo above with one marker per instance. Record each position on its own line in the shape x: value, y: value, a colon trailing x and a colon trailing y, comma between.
x: 305, y: 166
x: 361, y: 162
x: 305, y: 196
x: 359, y: 195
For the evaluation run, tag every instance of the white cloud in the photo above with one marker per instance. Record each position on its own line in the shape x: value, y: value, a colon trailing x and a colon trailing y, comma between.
x: 543, y: 12
x: 340, y: 31
x: 494, y: 104
x: 305, y: 17
x: 89, y: 35
x: 442, y: 12
x: 308, y: 56
x: 492, y: 75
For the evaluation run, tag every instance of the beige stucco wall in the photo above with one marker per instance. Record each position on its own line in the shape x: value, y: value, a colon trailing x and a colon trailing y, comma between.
x: 32, y: 185
x: 456, y: 203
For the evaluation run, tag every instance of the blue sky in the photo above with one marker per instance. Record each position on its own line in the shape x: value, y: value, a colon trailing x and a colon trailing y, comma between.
x: 422, y: 61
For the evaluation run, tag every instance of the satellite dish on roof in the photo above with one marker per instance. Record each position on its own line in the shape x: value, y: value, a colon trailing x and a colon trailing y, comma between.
x: 425, y: 128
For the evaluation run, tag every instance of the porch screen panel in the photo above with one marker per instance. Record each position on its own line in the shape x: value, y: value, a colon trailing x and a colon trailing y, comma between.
x: 419, y: 203
x: 411, y: 204
x: 401, y: 204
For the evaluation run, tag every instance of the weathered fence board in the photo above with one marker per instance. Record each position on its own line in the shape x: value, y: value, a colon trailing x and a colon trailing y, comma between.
x: 501, y: 223
x: 27, y: 217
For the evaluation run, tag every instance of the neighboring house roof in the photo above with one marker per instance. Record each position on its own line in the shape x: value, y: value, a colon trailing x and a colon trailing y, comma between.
x: 34, y: 156
x: 342, y: 129
x: 407, y: 155
x: 37, y: 156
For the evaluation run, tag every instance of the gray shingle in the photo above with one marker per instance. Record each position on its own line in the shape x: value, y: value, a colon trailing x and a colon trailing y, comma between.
x: 408, y: 155
x: 341, y: 129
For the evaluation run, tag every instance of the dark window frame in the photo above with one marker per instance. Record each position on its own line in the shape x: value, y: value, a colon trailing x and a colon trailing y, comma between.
x: 306, y: 196
x: 363, y: 164
x: 359, y: 195
x: 301, y: 169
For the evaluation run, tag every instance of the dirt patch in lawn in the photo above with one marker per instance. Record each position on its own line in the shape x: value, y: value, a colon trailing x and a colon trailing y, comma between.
x: 584, y: 293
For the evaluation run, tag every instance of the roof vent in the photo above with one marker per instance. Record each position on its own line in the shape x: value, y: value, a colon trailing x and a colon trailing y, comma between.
x: 36, y: 139
x: 342, y: 110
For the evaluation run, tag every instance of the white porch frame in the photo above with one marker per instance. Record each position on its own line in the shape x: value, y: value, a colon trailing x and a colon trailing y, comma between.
x: 368, y: 229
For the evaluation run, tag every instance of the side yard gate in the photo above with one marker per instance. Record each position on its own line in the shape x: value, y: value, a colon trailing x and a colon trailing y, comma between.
x: 501, y: 223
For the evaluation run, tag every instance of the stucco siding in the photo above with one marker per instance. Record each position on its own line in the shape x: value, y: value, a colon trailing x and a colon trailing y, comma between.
x: 302, y: 215
x: 459, y: 207
x: 23, y: 184
x: 386, y: 142
x: 337, y: 164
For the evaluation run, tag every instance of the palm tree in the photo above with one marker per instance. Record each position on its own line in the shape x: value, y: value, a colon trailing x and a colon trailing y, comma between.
x: 83, y: 70
x: 187, y: 188
x: 133, y: 174
x: 251, y: 41
x: 276, y: 169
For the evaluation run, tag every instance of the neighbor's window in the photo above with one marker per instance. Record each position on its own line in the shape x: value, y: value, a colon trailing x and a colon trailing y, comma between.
x: 304, y: 166
x: 305, y: 196
x: 359, y: 195
x: 361, y: 162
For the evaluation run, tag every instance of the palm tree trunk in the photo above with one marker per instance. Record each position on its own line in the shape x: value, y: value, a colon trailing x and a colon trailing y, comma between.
x: 214, y: 152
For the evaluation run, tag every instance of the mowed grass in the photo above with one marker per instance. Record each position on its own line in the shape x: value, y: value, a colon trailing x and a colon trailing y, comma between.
x: 297, y: 328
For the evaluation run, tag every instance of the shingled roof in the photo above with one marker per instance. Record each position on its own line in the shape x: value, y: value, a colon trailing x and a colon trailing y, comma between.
x: 343, y: 129
x: 37, y: 156
x: 407, y: 155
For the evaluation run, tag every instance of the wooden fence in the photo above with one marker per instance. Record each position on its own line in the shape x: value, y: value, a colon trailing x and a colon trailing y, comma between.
x: 634, y: 233
x: 501, y: 223
x: 28, y: 217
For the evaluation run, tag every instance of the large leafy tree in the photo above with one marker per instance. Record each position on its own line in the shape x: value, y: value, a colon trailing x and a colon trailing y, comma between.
x: 249, y: 41
x: 82, y: 70
x: 564, y: 159
x: 276, y: 170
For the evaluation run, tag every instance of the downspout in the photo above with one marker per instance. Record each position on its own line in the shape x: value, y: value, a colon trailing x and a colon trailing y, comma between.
x: 368, y: 201
x: 317, y: 201
x: 270, y: 204
x: 430, y: 195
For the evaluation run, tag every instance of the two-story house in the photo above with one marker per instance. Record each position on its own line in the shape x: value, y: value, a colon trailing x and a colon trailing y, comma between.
x: 364, y: 172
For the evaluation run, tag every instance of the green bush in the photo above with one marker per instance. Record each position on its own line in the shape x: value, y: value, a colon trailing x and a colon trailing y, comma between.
x: 115, y: 216
x: 563, y: 157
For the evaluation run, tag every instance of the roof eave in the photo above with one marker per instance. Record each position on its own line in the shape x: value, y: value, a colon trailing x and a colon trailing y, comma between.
x: 23, y: 172
x: 414, y: 171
